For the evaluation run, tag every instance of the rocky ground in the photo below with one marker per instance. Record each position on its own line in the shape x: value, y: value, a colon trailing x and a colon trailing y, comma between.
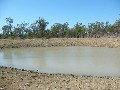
x: 96, y: 42
x: 16, y: 79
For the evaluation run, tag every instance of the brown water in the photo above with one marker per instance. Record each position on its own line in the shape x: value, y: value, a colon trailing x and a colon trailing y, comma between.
x: 75, y: 60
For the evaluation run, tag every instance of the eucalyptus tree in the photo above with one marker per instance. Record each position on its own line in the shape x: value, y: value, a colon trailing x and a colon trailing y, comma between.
x: 47, y: 33
x: 117, y: 27
x: 114, y: 29
x: 79, y: 30
x: 107, y: 28
x: 9, y: 22
x: 1, y: 35
x: 34, y: 29
x: 21, y: 30
x: 90, y: 29
x: 96, y: 29
x: 41, y: 26
x: 56, y: 30
x: 7, y: 29
x: 84, y: 31
x: 65, y: 30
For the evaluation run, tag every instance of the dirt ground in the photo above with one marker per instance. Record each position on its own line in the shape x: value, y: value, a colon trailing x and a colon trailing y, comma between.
x: 96, y: 42
x: 20, y: 79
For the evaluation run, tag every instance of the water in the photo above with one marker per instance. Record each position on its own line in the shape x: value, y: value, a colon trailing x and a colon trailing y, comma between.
x: 70, y: 60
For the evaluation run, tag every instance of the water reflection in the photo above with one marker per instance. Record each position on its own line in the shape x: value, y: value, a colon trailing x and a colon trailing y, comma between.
x: 76, y: 60
x: 6, y: 58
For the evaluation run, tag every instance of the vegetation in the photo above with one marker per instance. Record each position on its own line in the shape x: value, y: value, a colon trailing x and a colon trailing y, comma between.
x: 58, y: 30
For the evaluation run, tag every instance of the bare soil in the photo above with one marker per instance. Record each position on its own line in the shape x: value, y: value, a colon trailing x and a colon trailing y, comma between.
x: 16, y: 79
x: 95, y: 42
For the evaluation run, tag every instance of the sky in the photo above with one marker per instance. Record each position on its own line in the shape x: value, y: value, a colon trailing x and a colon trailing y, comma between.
x: 59, y: 11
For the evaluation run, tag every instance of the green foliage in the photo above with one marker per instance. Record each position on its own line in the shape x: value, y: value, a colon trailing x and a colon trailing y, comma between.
x: 58, y: 30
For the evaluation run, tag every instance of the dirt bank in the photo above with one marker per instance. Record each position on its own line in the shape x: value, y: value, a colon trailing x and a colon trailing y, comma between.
x: 16, y: 79
x: 97, y: 42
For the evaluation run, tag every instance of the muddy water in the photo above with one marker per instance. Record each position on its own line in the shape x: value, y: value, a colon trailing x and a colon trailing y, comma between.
x: 75, y: 60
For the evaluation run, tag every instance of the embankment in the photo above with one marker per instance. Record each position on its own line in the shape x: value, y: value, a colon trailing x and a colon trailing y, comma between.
x: 95, y: 42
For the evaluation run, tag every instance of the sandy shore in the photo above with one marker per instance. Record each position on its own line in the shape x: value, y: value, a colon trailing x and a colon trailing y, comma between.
x: 96, y: 42
x: 16, y: 79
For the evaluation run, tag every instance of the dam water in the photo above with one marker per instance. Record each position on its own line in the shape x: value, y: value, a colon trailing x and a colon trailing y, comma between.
x: 82, y: 60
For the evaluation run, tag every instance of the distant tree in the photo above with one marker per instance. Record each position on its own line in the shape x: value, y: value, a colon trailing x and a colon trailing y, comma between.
x: 96, y: 29
x: 79, y: 30
x: 64, y: 30
x: 21, y: 30
x: 41, y: 26
x: 7, y: 29
x: 117, y: 27
x: 58, y: 30
x: 1, y: 35
x: 9, y: 22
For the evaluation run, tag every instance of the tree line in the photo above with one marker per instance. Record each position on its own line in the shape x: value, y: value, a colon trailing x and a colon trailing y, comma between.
x: 58, y: 30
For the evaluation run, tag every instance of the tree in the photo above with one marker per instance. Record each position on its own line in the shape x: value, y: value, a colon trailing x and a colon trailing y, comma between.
x: 79, y: 30
x: 64, y: 30
x: 56, y: 30
x: 117, y: 27
x: 96, y: 29
x: 7, y: 29
x: 41, y: 26
x: 9, y: 22
x: 21, y: 30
